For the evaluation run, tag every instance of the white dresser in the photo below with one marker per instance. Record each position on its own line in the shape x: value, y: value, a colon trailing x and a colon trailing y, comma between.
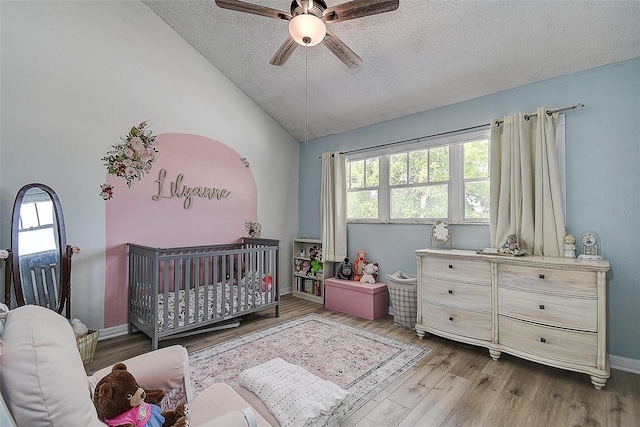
x: 545, y: 309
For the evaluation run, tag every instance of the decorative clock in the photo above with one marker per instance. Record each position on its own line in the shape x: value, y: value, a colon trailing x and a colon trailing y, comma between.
x: 589, y: 241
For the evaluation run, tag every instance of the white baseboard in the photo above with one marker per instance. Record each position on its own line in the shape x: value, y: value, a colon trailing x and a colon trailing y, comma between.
x: 112, y: 332
x: 625, y: 364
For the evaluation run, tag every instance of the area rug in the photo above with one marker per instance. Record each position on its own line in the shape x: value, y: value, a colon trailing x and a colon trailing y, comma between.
x: 361, y: 361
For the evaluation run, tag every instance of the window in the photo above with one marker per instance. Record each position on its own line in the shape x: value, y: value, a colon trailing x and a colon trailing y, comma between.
x: 363, y: 177
x: 446, y: 179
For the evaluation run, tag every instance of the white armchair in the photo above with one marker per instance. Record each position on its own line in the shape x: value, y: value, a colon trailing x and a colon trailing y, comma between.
x: 43, y: 381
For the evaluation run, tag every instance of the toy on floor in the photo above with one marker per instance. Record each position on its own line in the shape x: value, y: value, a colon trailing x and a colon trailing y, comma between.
x: 119, y: 401
x: 369, y: 270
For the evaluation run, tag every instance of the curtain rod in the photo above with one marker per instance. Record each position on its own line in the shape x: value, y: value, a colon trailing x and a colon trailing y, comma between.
x: 579, y: 106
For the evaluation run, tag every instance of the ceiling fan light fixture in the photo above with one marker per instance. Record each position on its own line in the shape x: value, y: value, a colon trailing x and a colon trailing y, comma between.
x: 307, y: 29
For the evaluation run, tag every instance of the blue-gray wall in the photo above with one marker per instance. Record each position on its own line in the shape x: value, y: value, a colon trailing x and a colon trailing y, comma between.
x: 603, y: 179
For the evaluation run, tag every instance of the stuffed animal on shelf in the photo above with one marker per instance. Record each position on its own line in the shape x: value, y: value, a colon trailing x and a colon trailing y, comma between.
x: 316, y: 267
x: 358, y: 265
x: 314, y: 253
x: 306, y: 265
x: 345, y: 270
x: 120, y: 402
x: 368, y: 273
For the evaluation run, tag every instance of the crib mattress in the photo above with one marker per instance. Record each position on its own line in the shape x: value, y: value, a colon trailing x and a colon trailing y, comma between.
x: 223, y: 299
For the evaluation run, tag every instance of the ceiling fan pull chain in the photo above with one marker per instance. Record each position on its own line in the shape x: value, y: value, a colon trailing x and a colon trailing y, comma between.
x: 306, y: 93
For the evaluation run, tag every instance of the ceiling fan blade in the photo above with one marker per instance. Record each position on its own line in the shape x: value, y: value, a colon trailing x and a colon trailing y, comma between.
x: 358, y: 8
x: 284, y: 52
x: 241, y: 6
x: 341, y: 50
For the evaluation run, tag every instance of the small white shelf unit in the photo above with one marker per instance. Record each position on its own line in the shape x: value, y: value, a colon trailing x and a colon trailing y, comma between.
x: 307, y: 283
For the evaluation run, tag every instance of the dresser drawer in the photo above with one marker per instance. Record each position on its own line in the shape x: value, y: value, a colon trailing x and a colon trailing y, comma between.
x: 457, y: 294
x: 457, y: 269
x: 560, y: 344
x: 553, y: 310
x: 460, y: 322
x: 579, y: 283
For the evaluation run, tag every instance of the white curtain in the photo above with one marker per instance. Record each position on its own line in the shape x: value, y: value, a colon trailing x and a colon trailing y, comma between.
x: 333, y: 206
x: 526, y: 191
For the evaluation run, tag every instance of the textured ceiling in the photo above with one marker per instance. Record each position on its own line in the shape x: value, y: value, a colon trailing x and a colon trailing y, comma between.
x: 424, y: 55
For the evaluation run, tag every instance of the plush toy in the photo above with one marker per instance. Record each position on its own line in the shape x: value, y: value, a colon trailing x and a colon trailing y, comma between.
x: 306, y: 265
x: 345, y: 271
x: 79, y: 328
x: 368, y: 271
x: 314, y: 253
x: 316, y: 266
x: 267, y: 282
x: 358, y: 265
x: 120, y: 401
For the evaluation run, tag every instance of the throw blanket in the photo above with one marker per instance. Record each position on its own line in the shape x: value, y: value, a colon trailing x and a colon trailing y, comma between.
x: 295, y: 396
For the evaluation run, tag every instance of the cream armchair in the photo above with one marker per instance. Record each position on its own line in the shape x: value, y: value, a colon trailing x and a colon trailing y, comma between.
x: 43, y: 381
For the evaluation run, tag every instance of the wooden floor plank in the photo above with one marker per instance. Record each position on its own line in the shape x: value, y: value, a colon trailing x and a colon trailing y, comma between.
x: 386, y: 414
x: 509, y: 410
x: 438, y: 403
x: 622, y: 411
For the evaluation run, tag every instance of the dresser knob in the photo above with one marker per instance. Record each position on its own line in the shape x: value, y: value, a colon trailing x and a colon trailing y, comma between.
x: 543, y: 340
x: 541, y: 276
x: 541, y: 306
x: 451, y: 318
x: 450, y: 265
x: 450, y: 291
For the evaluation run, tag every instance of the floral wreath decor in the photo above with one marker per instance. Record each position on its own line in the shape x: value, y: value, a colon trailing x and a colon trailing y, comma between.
x: 132, y: 158
x: 253, y: 228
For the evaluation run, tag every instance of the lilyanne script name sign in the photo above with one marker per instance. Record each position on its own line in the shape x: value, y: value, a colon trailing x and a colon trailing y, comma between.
x: 177, y: 189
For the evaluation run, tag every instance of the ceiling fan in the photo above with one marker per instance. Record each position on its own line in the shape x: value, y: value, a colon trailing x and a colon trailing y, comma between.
x: 307, y: 23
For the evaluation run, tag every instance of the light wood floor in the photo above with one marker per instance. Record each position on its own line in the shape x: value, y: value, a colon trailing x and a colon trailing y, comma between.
x: 454, y: 385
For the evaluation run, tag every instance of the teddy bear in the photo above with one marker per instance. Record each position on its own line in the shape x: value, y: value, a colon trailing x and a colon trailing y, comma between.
x: 345, y: 270
x: 369, y: 270
x: 119, y: 401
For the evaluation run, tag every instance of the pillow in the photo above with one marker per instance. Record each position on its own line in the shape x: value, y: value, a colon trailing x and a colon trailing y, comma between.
x: 42, y: 377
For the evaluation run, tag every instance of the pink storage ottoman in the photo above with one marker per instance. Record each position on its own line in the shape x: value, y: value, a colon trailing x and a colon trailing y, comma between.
x: 366, y: 300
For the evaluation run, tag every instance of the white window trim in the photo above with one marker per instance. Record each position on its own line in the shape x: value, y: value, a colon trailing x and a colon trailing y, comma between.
x: 455, y: 185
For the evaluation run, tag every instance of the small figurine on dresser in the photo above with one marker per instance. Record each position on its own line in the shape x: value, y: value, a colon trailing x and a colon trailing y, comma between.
x: 513, y: 246
x: 569, y: 246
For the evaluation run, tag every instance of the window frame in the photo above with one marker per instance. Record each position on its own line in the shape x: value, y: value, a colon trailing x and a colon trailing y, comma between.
x: 455, y: 183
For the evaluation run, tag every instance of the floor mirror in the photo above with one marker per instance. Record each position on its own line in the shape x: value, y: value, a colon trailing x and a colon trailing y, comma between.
x: 40, y: 259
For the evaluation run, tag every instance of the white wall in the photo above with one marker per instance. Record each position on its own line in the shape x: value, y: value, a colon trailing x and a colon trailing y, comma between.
x: 75, y: 76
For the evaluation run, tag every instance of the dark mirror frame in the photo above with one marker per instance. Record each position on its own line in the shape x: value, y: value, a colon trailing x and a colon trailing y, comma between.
x: 64, y: 291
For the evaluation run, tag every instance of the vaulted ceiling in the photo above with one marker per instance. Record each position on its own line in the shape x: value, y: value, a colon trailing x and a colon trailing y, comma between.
x: 424, y: 55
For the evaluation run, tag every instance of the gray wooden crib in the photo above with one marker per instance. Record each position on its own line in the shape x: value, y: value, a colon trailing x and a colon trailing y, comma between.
x: 176, y: 292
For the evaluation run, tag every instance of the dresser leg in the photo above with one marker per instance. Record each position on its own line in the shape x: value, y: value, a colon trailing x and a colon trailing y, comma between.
x: 598, y: 382
x: 420, y: 333
x: 495, y: 355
